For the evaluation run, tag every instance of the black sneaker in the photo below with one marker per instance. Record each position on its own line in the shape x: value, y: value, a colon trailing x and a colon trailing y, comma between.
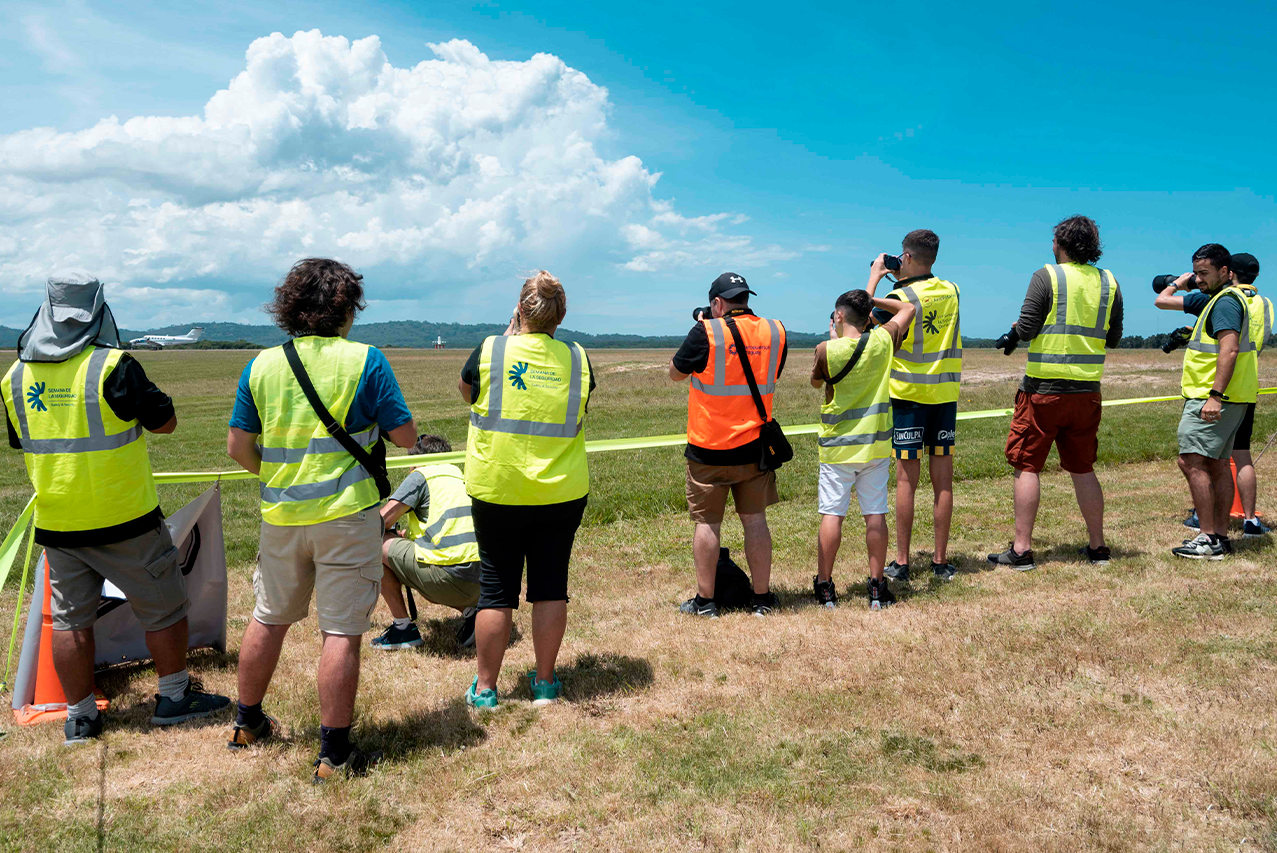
x: 358, y: 763
x: 82, y: 729
x: 196, y: 702
x: 1202, y: 548
x: 709, y: 609
x: 897, y: 572
x: 465, y: 634
x: 943, y: 571
x: 880, y: 594
x: 393, y: 639
x: 826, y: 595
x: 243, y: 737
x: 766, y: 603
x: 1014, y: 560
x: 1096, y: 556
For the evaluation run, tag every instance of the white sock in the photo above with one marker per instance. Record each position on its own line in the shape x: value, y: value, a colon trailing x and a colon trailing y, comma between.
x: 174, y: 686
x: 1256, y: 520
x: 403, y: 623
x: 86, y: 708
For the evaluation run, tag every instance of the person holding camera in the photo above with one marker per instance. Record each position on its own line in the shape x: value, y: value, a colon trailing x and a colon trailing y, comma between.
x: 926, y: 375
x: 724, y: 434
x: 1244, y: 268
x: 1220, y: 379
x: 528, y: 481
x: 437, y: 555
x: 854, y: 369
x: 1071, y: 315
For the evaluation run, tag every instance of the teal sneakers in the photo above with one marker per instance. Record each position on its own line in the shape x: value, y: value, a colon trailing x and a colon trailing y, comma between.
x: 545, y: 692
x: 481, y: 699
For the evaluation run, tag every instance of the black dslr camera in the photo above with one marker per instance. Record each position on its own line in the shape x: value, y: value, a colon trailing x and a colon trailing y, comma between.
x: 1178, y: 338
x: 1161, y: 282
x: 891, y: 262
x: 699, y: 314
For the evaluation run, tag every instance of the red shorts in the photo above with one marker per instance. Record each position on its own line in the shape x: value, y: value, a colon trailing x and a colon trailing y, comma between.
x: 1069, y: 421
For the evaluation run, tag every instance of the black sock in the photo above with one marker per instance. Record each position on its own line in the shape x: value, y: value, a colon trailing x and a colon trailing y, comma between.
x: 701, y: 602
x: 762, y: 597
x: 248, y: 716
x: 334, y: 743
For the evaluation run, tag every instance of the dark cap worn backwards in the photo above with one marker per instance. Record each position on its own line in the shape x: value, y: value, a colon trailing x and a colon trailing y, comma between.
x: 729, y: 285
x: 1244, y: 263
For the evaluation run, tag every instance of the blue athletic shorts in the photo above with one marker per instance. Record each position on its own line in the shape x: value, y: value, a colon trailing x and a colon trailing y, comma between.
x: 918, y: 425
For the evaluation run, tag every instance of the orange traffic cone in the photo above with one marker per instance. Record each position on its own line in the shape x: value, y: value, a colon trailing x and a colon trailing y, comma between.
x: 1236, y: 511
x: 49, y: 702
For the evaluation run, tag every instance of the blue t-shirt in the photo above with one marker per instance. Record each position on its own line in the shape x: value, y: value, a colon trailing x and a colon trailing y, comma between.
x: 378, y: 400
x: 1227, y: 315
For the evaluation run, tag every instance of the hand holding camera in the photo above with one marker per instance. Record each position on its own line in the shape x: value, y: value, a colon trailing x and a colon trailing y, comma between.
x: 699, y: 314
x: 885, y: 263
x: 1009, y: 341
x: 1187, y: 281
x: 1178, y: 338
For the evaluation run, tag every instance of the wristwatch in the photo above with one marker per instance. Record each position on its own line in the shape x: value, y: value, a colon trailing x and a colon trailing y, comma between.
x: 1218, y: 395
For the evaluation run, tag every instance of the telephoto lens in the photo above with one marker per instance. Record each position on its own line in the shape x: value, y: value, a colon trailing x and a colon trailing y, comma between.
x: 1161, y: 282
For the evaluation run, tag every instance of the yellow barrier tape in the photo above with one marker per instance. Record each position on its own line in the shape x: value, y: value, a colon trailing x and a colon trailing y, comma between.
x: 609, y: 444
x: 13, y: 542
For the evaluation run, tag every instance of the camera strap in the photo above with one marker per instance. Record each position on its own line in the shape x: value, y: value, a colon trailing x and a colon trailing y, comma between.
x: 851, y: 362
x: 745, y: 365
x: 335, y: 429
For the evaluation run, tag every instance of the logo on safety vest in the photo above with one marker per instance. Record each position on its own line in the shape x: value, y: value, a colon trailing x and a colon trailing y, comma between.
x: 929, y: 324
x: 33, y: 397
x: 516, y: 375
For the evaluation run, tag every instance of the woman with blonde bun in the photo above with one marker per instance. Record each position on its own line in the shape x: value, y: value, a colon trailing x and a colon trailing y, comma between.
x: 528, y: 481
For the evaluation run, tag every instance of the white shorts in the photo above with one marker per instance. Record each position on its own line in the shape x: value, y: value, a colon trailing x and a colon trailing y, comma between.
x: 868, y: 479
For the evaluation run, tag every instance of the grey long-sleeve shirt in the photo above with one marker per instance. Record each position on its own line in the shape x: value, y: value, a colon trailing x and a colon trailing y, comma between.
x: 1033, y: 314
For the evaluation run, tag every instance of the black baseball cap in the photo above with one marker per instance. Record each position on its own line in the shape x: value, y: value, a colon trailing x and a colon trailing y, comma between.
x: 729, y: 285
x: 1244, y: 263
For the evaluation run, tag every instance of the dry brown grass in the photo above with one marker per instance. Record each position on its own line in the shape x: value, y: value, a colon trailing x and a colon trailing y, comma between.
x: 1073, y: 708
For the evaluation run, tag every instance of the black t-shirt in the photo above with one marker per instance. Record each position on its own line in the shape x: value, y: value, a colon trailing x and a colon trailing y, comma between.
x: 131, y: 395
x: 693, y: 357
x: 470, y: 375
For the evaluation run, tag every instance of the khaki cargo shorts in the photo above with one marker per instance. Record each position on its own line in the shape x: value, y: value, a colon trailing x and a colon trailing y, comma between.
x: 340, y: 560
x: 144, y: 568
x: 433, y: 583
x: 752, y: 490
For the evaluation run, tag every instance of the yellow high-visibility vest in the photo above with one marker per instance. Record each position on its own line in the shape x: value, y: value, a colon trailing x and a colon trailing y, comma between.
x: 855, y: 426
x: 1071, y: 343
x: 928, y: 366
x: 89, y: 468
x: 446, y: 536
x: 1202, y: 352
x: 306, y: 475
x: 1261, y: 316
x: 526, y: 445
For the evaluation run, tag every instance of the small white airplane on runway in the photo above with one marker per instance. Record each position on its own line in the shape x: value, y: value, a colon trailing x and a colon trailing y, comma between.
x: 161, y: 341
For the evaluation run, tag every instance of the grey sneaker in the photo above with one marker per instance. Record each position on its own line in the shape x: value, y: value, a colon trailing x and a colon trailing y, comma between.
x: 1013, y: 559
x: 195, y: 703
x: 1201, y: 548
x: 82, y: 729
x: 690, y: 608
x: 943, y: 571
x: 764, y: 604
x: 897, y: 572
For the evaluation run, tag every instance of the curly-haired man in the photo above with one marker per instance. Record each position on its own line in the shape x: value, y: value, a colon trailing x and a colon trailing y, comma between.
x: 320, y: 527
x: 1071, y: 314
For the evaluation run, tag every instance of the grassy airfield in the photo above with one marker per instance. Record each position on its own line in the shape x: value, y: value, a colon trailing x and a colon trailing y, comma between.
x: 1071, y: 708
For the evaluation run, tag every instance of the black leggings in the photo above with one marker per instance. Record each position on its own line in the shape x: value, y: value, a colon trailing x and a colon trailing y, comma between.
x: 508, y: 534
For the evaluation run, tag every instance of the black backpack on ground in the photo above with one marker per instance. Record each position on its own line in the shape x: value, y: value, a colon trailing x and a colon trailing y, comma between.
x: 732, y: 589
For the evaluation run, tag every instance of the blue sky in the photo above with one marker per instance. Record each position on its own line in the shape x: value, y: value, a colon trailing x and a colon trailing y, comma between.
x: 789, y: 148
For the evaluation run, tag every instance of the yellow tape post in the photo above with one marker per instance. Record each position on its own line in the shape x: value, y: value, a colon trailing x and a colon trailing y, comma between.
x: 606, y: 445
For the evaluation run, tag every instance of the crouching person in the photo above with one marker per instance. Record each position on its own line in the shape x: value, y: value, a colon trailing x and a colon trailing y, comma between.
x: 77, y: 406
x: 854, y: 368
x: 321, y: 532
x: 438, y: 558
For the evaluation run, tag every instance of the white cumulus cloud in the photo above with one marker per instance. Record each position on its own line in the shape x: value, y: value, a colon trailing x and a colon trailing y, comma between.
x: 461, y: 166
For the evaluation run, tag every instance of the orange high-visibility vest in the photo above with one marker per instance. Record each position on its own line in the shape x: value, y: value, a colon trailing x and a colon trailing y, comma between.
x: 720, y: 410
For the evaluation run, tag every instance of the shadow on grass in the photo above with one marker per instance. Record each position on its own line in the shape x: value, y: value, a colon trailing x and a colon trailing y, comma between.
x: 591, y: 676
x: 440, y: 636
x: 448, y: 728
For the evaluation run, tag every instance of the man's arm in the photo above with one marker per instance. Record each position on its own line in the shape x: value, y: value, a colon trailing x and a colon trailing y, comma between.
x: 242, y: 447
x: 877, y: 272
x: 1116, y: 320
x: 676, y: 374
x: 902, y: 318
x: 820, y: 367
x: 1169, y: 299
x: 1037, y: 303
x: 404, y: 435
x: 1225, y: 361
x: 133, y: 396
x: 391, y: 512
x: 692, y: 356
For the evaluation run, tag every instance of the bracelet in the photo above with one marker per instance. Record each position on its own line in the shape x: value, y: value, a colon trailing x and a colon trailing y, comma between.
x: 1218, y: 395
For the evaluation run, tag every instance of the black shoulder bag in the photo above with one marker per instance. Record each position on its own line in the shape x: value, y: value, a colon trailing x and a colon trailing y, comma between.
x: 375, y: 466
x: 851, y: 362
x: 776, y: 448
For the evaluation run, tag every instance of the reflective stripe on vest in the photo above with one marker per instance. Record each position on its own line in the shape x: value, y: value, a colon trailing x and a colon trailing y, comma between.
x: 1202, y: 353
x: 1261, y: 317
x: 855, y: 425
x: 928, y: 366
x: 89, y: 468
x: 307, y: 477
x: 721, y: 413
x: 1072, y: 347
x: 526, y: 444
x: 446, y: 536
